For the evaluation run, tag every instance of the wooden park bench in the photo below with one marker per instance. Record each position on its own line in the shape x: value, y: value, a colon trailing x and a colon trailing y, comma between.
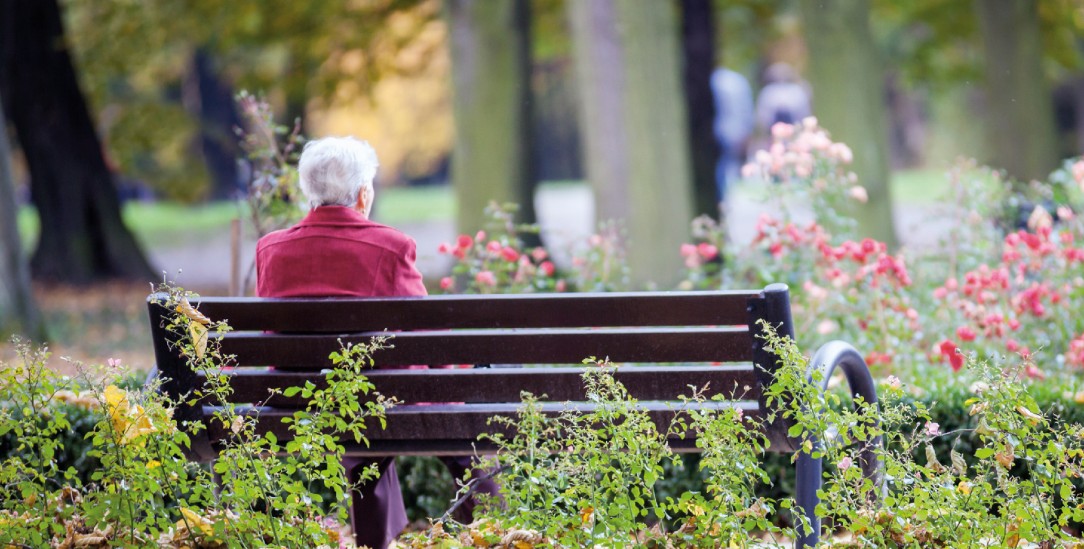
x: 671, y: 340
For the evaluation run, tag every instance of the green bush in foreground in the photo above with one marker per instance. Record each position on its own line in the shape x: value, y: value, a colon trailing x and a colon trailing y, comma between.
x: 144, y: 492
x: 1012, y: 485
x: 1004, y: 475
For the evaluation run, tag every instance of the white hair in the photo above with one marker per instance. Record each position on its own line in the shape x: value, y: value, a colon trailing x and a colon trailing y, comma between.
x: 333, y: 170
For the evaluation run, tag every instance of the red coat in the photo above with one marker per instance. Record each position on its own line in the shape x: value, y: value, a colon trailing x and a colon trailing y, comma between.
x: 335, y: 251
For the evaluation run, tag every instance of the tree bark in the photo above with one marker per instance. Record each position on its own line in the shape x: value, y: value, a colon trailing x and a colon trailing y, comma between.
x: 1020, y: 112
x: 209, y: 99
x: 635, y: 129
x: 849, y: 100
x: 491, y: 66
x: 83, y: 237
x: 18, y: 311
x: 698, y: 45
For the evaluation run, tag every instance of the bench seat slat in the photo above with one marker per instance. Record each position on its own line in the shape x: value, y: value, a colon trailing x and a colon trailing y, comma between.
x: 331, y: 315
x: 460, y: 424
x: 505, y: 384
x: 534, y: 346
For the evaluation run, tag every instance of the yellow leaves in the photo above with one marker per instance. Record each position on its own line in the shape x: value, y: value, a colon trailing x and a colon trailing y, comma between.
x: 1031, y: 417
x: 194, y: 527
x: 1006, y: 456
x: 197, y: 327
x: 756, y: 510
x: 193, y: 521
x: 76, y: 535
x: 978, y: 408
x: 199, y: 338
x: 521, y: 539
x: 477, y: 539
x: 84, y: 400
x: 194, y: 315
x: 695, y: 510
x: 959, y: 466
x: 931, y: 460
x: 586, y: 513
x: 129, y: 422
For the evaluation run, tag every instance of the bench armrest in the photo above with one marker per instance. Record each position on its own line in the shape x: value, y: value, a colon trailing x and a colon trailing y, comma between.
x: 831, y: 356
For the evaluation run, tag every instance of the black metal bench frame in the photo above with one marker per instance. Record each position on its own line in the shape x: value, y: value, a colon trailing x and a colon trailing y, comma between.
x: 297, y: 335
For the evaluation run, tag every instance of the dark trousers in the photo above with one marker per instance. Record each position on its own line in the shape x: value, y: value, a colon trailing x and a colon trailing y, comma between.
x: 377, y: 513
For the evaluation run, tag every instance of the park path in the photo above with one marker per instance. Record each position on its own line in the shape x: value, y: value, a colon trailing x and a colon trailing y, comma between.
x: 565, y: 216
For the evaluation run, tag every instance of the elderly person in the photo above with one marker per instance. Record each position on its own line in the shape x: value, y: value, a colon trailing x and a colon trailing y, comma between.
x: 338, y: 251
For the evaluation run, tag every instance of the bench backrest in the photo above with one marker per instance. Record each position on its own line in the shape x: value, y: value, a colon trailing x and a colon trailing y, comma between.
x: 671, y: 340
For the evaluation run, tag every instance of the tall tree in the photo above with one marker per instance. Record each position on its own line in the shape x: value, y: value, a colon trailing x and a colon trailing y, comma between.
x: 634, y: 127
x: 18, y: 311
x: 698, y: 47
x: 83, y: 237
x: 848, y: 97
x: 133, y: 56
x: 1019, y: 107
x: 491, y: 67
x: 209, y: 98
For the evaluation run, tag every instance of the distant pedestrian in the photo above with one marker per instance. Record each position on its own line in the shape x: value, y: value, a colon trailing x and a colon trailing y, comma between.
x: 784, y: 98
x: 733, y: 125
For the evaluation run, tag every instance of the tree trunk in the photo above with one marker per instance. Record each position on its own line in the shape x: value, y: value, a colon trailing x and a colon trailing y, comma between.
x: 698, y: 44
x: 209, y: 99
x: 491, y: 66
x: 1020, y: 112
x: 18, y: 311
x: 849, y: 100
x: 83, y: 237
x: 634, y: 127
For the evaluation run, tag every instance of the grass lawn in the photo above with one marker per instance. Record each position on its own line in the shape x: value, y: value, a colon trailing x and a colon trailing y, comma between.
x: 923, y: 187
x: 165, y: 224
x: 168, y: 223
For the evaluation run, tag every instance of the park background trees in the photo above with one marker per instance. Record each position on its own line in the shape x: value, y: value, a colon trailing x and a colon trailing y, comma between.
x: 157, y: 76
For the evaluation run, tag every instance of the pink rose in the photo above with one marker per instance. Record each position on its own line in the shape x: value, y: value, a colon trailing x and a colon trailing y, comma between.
x: 932, y: 429
x: 446, y: 283
x: 486, y: 278
x: 707, y: 251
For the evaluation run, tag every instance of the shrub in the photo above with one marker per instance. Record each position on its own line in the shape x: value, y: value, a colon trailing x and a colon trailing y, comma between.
x: 144, y: 491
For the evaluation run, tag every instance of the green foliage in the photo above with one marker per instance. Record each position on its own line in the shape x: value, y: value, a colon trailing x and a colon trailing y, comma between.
x: 1014, y: 486
x: 142, y: 490
x: 273, y: 198
x: 134, y: 60
x: 582, y: 479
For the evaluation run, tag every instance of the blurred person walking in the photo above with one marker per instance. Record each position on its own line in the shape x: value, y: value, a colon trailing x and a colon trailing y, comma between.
x: 733, y: 126
x: 784, y: 98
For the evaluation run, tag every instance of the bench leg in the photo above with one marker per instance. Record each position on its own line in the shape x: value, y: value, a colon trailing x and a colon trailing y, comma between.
x: 807, y: 481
